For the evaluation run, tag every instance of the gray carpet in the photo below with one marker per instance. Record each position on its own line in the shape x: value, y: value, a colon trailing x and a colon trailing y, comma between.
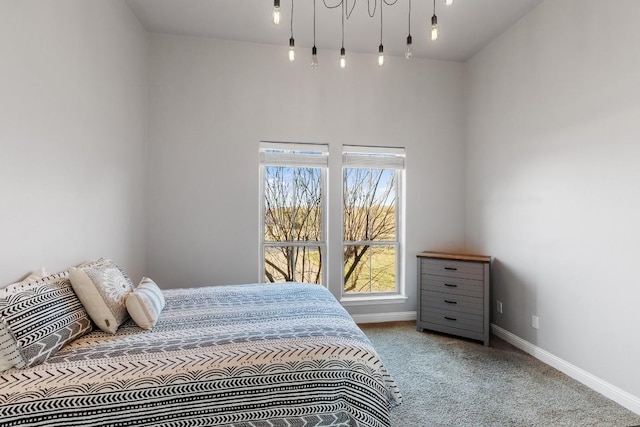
x: 447, y: 381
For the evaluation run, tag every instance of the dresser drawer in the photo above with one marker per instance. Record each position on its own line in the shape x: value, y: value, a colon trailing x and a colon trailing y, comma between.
x: 454, y: 286
x: 447, y: 268
x: 453, y: 319
x: 455, y: 303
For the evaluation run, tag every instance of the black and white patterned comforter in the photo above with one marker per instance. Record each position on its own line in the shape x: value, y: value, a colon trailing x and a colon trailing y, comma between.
x: 246, y: 355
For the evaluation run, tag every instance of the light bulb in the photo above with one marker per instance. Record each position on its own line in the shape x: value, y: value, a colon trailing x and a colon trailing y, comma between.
x: 434, y: 27
x: 448, y: 2
x: 276, y: 12
x: 380, y: 55
x: 292, y: 49
x: 343, y: 59
x: 409, y: 52
x: 314, y: 57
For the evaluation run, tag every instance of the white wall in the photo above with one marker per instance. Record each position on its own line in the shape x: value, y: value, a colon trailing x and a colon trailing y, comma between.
x: 212, y: 101
x: 552, y: 181
x: 73, y: 103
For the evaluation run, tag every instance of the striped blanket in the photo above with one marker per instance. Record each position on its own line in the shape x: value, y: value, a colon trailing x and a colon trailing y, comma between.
x: 245, y: 355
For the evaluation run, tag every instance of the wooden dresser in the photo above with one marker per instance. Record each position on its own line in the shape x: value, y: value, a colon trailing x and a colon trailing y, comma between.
x: 453, y: 294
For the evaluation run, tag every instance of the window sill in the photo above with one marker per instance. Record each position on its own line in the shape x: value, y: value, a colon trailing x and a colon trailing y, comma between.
x: 373, y: 300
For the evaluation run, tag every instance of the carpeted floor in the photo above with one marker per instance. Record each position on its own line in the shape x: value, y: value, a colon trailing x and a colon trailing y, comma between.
x: 448, y: 381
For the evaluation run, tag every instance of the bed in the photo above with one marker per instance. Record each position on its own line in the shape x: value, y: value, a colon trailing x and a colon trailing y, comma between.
x: 244, y: 355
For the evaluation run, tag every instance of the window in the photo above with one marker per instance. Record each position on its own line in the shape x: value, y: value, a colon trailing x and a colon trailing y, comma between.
x: 372, y: 213
x: 293, y: 183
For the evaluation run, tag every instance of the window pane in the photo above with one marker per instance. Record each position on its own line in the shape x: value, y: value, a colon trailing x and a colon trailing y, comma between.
x: 369, y: 269
x: 356, y: 261
x: 383, y: 269
x: 292, y: 204
x: 369, y: 203
x: 293, y: 264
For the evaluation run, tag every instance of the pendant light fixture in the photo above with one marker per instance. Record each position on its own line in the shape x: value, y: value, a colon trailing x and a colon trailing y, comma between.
x: 409, y: 52
x: 434, y: 23
x: 276, y: 12
x: 292, y: 49
x: 292, y: 42
x: 381, y: 47
x: 346, y: 14
x: 314, y: 50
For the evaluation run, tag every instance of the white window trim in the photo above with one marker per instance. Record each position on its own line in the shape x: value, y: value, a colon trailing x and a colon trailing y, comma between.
x: 396, y: 160
x: 373, y: 299
x: 293, y: 160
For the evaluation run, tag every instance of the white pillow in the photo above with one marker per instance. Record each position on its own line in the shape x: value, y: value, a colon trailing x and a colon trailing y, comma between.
x: 102, y: 287
x: 145, y: 303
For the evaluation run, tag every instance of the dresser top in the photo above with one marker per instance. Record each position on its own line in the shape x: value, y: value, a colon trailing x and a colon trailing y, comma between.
x: 455, y: 257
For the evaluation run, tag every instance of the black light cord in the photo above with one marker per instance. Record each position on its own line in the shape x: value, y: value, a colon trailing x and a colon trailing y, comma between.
x: 332, y: 7
x: 381, y: 4
x: 409, y: 17
x: 291, y: 18
x: 375, y: 6
x: 349, y: 12
x: 342, y: 2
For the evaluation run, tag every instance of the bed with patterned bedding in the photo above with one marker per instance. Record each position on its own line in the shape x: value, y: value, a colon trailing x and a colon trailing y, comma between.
x: 244, y: 355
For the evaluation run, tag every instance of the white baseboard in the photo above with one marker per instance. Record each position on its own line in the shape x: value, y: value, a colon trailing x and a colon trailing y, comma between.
x: 619, y: 396
x: 385, y: 317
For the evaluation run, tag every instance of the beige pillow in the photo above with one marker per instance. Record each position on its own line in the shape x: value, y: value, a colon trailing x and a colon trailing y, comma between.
x: 102, y: 287
x: 145, y: 303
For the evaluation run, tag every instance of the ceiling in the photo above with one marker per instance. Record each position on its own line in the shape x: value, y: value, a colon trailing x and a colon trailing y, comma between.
x: 465, y: 27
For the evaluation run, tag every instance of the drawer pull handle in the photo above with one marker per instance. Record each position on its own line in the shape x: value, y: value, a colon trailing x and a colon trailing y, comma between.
x: 453, y: 319
x: 451, y: 268
x: 449, y: 285
x: 450, y: 302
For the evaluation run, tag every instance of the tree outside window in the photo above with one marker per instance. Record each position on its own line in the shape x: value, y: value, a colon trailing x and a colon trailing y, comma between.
x: 372, y: 215
x: 293, y: 211
x: 293, y: 216
x: 369, y: 230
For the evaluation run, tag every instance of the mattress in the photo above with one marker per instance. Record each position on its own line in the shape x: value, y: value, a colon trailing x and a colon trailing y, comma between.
x: 244, y: 355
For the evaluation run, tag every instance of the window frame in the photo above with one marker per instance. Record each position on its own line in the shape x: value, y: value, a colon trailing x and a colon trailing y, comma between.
x: 397, y: 157
x: 293, y: 160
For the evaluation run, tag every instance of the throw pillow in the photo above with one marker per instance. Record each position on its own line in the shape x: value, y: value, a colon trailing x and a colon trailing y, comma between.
x: 102, y: 287
x: 145, y: 303
x: 34, y: 276
x: 8, y: 350
x: 39, y: 319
